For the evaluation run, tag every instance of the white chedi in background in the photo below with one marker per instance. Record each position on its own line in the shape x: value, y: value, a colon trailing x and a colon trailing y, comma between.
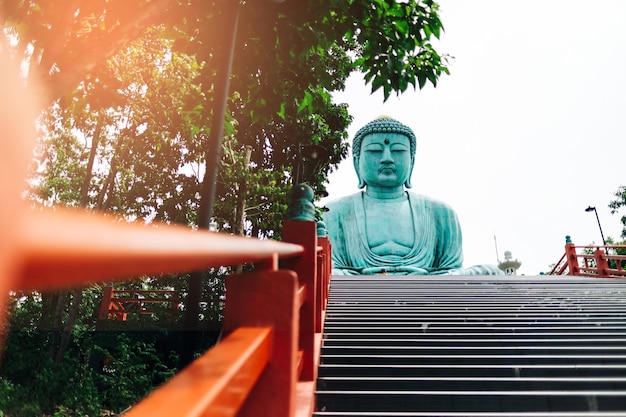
x: 509, y: 265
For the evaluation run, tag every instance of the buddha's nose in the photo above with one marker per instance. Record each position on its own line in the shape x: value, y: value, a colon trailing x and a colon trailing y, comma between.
x: 386, y: 155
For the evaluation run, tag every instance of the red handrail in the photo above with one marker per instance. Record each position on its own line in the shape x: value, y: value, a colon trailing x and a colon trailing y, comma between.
x: 591, y: 261
x: 220, y: 380
x: 64, y: 247
x: 283, y: 301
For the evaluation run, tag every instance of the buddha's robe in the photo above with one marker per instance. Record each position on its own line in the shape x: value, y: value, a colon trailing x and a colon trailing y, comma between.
x: 437, y: 240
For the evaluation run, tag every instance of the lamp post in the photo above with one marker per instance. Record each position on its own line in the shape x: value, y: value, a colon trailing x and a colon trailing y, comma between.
x: 590, y: 209
x: 209, y: 183
x: 311, y: 155
x: 212, y: 157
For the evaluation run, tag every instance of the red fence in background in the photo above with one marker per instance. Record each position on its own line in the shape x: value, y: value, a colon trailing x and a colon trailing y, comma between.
x: 593, y: 261
x: 117, y: 304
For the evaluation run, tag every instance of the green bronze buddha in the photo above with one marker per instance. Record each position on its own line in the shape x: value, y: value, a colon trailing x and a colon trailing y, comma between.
x: 387, y: 229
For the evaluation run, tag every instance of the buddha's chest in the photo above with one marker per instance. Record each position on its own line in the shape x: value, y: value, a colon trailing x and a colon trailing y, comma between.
x: 389, y: 228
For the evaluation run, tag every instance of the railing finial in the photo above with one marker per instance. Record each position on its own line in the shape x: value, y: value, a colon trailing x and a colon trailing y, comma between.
x: 301, y: 205
x: 321, y: 229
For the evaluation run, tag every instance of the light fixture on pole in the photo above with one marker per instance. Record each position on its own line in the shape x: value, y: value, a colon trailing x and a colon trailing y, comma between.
x: 308, y: 161
x: 590, y: 209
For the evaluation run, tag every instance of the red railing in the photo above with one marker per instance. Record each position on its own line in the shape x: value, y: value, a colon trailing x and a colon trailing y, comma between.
x: 267, y: 362
x: 282, y: 306
x: 114, y: 305
x: 592, y: 261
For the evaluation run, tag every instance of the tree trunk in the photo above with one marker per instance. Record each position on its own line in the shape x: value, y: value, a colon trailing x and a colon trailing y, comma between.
x: 77, y: 298
x: 63, y: 333
x: 95, y: 141
x: 59, y: 300
x: 104, y: 198
x: 241, y: 194
x: 53, y: 306
x: 240, y: 209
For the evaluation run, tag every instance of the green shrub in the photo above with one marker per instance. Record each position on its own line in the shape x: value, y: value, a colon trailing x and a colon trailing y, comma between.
x: 133, y: 369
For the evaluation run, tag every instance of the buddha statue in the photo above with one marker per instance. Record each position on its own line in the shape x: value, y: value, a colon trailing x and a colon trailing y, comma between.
x: 387, y: 229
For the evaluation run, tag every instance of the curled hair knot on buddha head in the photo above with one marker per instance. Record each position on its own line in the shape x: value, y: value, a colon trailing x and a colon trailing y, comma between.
x: 382, y: 124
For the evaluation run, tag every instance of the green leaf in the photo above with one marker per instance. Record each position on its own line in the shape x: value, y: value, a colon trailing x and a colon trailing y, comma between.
x: 402, y: 26
x: 421, y: 78
x: 306, y: 102
x: 377, y: 83
x: 325, y: 95
x: 403, y: 83
x: 433, y: 78
x: 387, y: 90
x: 427, y: 31
x: 281, y: 112
x: 229, y: 128
x: 368, y: 76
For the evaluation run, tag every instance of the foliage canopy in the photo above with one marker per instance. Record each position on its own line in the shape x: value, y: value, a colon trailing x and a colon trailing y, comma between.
x: 617, y: 204
x: 132, y: 87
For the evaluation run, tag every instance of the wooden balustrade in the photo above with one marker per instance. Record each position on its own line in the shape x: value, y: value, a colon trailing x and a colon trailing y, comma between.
x: 267, y: 361
x: 592, y: 261
x: 114, y: 306
x: 64, y: 247
x: 283, y: 300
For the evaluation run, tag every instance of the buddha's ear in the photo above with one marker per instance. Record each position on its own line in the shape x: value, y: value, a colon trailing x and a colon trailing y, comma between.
x: 362, y: 182
x: 407, y: 183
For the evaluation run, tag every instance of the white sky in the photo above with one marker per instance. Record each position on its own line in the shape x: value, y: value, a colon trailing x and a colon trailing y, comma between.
x: 526, y: 132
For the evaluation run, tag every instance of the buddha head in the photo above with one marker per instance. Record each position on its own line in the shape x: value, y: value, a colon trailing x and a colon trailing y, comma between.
x: 382, y: 126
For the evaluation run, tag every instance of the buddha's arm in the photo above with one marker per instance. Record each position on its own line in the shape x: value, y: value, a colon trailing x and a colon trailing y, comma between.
x: 345, y: 271
x: 449, y: 248
x: 334, y: 226
x: 339, y: 255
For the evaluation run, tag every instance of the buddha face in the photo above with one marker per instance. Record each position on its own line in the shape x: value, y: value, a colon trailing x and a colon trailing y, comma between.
x: 385, y: 160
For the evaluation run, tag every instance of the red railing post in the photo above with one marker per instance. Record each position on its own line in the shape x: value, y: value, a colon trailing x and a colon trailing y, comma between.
x: 602, y: 263
x: 572, y: 258
x: 618, y: 266
x: 305, y: 233
x: 268, y: 298
x: 319, y: 296
x: 323, y: 278
x: 105, y: 303
x: 174, y: 305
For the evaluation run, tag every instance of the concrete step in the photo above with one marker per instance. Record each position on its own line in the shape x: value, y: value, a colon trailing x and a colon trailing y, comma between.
x: 473, y: 346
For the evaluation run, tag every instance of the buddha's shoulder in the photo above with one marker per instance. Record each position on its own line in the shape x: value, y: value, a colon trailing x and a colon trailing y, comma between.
x: 430, y: 202
x: 341, y: 207
x: 343, y: 203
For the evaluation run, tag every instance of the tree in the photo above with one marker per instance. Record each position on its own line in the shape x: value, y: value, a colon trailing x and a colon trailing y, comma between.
x: 120, y: 152
x: 63, y: 44
x: 391, y: 40
x: 134, y: 86
x: 310, y: 47
x: 619, y: 202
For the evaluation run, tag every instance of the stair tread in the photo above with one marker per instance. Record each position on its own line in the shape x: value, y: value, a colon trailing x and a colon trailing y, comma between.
x: 463, y: 345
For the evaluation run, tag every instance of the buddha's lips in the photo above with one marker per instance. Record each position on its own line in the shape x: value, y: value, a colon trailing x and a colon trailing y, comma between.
x: 387, y: 168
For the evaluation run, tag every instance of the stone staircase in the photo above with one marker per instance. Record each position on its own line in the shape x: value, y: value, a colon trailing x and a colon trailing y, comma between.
x: 474, y: 346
